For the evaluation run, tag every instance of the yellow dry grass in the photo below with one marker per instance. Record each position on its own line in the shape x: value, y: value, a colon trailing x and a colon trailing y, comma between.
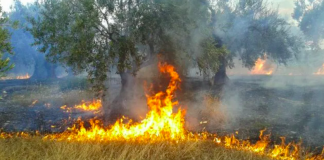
x: 35, y: 148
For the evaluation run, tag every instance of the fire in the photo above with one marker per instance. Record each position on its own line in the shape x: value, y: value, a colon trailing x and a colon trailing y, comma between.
x: 161, y: 123
x: 290, y: 151
x: 258, y: 147
x: 320, y: 71
x: 92, y: 106
x: 34, y: 102
x: 262, y: 68
x: 23, y: 76
x: 26, y: 76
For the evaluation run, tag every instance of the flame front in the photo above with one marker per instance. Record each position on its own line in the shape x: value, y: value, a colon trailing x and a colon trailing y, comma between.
x: 161, y: 123
x: 261, y: 68
x: 26, y: 76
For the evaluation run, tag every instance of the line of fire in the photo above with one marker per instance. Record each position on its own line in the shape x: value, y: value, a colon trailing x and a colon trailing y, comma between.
x: 162, y: 79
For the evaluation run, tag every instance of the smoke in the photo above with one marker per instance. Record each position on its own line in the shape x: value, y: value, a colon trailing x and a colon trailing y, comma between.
x: 287, y: 103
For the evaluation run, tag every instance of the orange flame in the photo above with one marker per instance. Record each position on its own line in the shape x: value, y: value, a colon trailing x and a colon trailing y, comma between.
x: 262, y: 68
x: 320, y: 71
x: 161, y: 122
x: 93, y: 106
x: 34, y: 102
x: 258, y: 147
x: 23, y: 76
x: 27, y: 76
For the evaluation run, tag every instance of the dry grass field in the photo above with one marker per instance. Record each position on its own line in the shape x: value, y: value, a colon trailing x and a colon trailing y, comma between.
x: 37, y: 149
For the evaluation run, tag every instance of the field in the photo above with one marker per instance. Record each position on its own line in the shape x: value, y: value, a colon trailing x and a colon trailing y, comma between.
x: 292, y: 108
x: 35, y: 148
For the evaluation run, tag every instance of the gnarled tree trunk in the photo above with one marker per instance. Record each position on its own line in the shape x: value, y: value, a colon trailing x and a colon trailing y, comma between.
x: 50, y: 68
x: 43, y: 69
x: 119, y: 105
x: 221, y: 76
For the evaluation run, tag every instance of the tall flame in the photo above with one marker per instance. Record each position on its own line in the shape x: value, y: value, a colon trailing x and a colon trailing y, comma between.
x: 261, y: 68
x: 161, y: 123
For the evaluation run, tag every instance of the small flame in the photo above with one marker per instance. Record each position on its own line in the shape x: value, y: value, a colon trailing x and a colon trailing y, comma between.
x: 262, y: 68
x: 34, y: 102
x: 163, y: 124
x: 23, y: 77
x: 26, y: 76
x: 320, y: 71
x: 93, y: 106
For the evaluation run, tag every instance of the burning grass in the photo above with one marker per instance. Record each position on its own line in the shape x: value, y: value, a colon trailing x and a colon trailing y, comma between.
x: 35, y: 146
x: 160, y: 135
x: 160, y: 123
x: 26, y: 76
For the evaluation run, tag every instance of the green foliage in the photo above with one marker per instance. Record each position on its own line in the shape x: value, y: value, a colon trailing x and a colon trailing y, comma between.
x: 212, y: 56
x: 5, y: 46
x: 251, y: 29
x: 97, y: 35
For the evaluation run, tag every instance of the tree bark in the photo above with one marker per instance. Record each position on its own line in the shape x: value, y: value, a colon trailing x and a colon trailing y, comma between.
x: 43, y: 69
x: 119, y: 105
x: 37, y: 75
x: 221, y: 76
x: 50, y: 69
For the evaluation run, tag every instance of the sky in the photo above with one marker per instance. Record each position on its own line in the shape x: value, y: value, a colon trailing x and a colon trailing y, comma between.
x: 285, y: 6
x: 7, y: 3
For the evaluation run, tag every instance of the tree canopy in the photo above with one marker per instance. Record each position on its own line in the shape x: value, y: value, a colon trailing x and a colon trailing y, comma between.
x: 27, y: 55
x: 251, y: 29
x: 96, y: 35
x: 310, y: 15
x: 5, y: 45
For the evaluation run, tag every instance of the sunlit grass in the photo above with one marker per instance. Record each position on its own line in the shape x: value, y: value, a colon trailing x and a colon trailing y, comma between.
x: 56, y: 94
x: 35, y: 148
